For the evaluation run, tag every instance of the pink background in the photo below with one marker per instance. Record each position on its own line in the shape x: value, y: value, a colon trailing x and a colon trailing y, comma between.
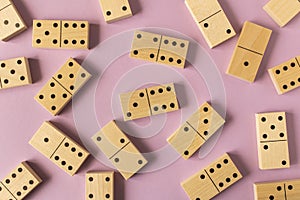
x: 21, y: 116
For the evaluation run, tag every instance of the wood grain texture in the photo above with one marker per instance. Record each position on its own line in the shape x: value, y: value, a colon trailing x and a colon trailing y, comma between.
x: 99, y: 185
x: 4, y: 3
x: 285, y: 190
x: 272, y: 140
x: 75, y: 35
x: 273, y: 155
x: 53, y: 97
x: 223, y: 172
x: 46, y: 33
x: 162, y: 98
x: 213, y: 179
x: 47, y: 139
x: 69, y: 156
x: 135, y: 104
x: 249, y: 52
x: 271, y: 126
x: 72, y: 76
x: 286, y: 76
x: 5, y: 194
x: 173, y: 51
x: 115, y: 10
x: 200, y: 186
x: 21, y: 181
x: 15, y: 72
x: 145, y: 46
x: 128, y: 161
x: 211, y: 20
x: 282, y: 11
x: 186, y: 141
x: 110, y: 139
x: 11, y: 22
x: 206, y: 121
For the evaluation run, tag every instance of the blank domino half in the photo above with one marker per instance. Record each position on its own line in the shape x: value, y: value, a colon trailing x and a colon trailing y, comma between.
x: 14, y: 72
x: 60, y: 89
x: 281, y: 190
x: 212, y: 180
x: 115, y: 10
x: 99, y: 186
x: 159, y: 48
x: 59, y: 148
x: 11, y: 22
x: 19, y: 182
x: 193, y: 133
x: 286, y: 76
x: 119, y: 150
x: 282, y: 11
x: 249, y: 52
x: 60, y: 34
x: 272, y: 140
x: 211, y: 20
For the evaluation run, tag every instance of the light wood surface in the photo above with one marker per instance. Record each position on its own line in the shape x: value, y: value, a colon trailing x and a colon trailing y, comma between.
x: 128, y: 161
x: 206, y: 121
x: 46, y: 33
x: 285, y: 190
x: 15, y: 72
x: 21, y: 181
x: 286, y: 76
x: 11, y: 22
x: 200, y: 186
x: 211, y: 20
x: 115, y: 10
x: 99, y: 185
x: 135, y: 105
x: 74, y: 34
x: 4, y: 3
x: 72, y: 76
x: 145, y: 46
x: 282, y: 11
x: 5, y: 194
x: 249, y: 52
x: 173, y: 51
x: 162, y: 98
x: 53, y: 97
x: 186, y: 141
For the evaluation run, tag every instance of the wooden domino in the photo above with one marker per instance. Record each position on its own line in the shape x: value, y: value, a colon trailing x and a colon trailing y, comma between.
x: 282, y: 11
x: 115, y: 10
x: 59, y: 148
x: 159, y: 48
x: 14, y: 72
x: 11, y: 21
x: 283, y: 190
x: 135, y: 104
x: 211, y: 20
x: 60, y: 89
x: 173, y: 51
x: 212, y: 180
x: 188, y: 138
x: 286, y: 76
x: 99, y: 185
x: 60, y: 34
x: 272, y: 140
x: 119, y: 150
x: 162, y: 99
x: 249, y: 52
x: 150, y: 101
x: 19, y: 183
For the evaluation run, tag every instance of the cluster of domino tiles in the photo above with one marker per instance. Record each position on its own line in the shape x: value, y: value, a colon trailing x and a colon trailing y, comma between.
x: 216, y: 29
x: 149, y: 101
x: 161, y: 49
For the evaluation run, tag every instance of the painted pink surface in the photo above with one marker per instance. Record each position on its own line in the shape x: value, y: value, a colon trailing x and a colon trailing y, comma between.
x: 21, y: 116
